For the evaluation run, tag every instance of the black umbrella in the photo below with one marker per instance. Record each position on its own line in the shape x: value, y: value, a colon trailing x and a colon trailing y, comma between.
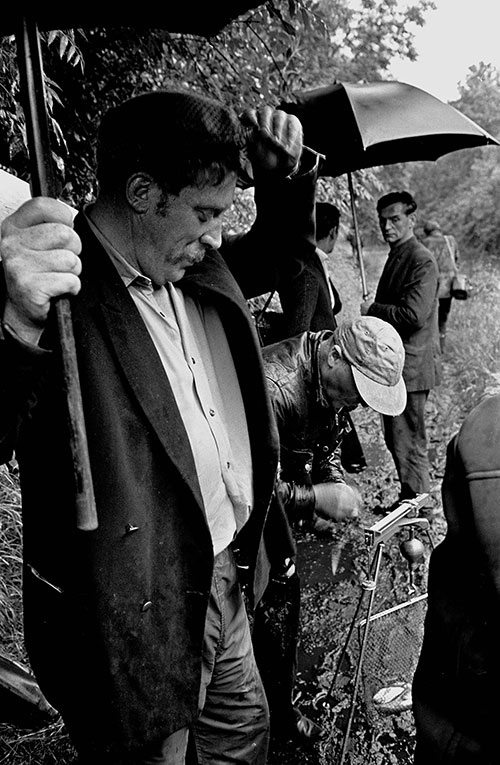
x: 194, y: 16
x: 380, y: 123
x: 25, y: 21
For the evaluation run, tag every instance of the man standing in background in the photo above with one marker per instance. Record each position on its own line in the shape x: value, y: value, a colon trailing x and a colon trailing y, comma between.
x: 406, y: 297
x: 444, y: 247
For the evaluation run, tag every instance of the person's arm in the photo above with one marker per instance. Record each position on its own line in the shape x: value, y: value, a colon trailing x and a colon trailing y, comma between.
x: 285, y: 180
x: 333, y: 500
x: 476, y: 463
x: 327, y: 496
x: 39, y: 253
x: 299, y: 297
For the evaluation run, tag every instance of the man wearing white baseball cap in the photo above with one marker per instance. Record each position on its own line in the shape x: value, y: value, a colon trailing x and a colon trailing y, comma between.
x: 376, y: 354
x: 314, y: 380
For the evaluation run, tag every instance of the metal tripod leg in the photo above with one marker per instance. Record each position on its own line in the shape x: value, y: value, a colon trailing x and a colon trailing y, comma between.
x: 368, y: 586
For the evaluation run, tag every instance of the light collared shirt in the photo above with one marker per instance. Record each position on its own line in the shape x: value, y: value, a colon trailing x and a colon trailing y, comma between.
x: 195, y: 354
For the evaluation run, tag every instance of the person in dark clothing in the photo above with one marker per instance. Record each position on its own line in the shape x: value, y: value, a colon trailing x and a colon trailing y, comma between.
x: 314, y: 380
x: 137, y: 631
x: 455, y: 687
x: 406, y: 297
x: 327, y: 230
x: 309, y: 301
x: 304, y: 290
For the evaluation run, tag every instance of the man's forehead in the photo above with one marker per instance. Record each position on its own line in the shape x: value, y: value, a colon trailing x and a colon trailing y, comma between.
x: 211, y: 195
x: 397, y: 208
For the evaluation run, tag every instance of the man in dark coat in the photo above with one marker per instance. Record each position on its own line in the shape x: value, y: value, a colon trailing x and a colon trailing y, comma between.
x: 137, y: 631
x: 406, y: 297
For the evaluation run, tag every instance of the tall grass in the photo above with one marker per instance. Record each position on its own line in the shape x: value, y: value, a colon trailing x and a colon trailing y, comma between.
x: 10, y: 566
x: 474, y: 334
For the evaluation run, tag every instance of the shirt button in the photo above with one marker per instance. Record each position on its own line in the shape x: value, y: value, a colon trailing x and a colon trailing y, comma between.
x: 211, y: 412
x: 228, y: 465
x: 146, y: 606
x: 193, y: 360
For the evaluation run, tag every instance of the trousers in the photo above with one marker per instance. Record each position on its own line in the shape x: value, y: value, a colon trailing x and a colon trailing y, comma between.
x: 406, y: 439
x: 233, y: 721
x: 233, y: 725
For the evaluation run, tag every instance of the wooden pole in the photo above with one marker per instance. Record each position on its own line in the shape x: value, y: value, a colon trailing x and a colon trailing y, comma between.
x: 43, y: 184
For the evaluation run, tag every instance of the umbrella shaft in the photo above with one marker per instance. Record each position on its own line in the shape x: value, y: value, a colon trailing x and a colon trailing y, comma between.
x: 357, y: 238
x: 43, y: 183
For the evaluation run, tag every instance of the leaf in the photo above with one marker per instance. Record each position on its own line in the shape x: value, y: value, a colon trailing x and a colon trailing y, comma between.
x: 63, y: 44
x: 289, y: 27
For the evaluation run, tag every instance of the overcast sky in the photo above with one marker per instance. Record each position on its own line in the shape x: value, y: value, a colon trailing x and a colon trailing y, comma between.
x: 458, y: 34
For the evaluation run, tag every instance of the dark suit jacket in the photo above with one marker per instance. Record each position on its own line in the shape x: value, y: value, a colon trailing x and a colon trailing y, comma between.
x: 406, y: 297
x: 115, y: 617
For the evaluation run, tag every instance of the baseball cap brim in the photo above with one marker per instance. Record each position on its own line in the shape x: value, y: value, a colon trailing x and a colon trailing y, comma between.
x: 386, y: 399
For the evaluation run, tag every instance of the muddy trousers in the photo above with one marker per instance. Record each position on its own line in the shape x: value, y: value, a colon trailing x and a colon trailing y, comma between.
x: 406, y: 439
x: 233, y: 725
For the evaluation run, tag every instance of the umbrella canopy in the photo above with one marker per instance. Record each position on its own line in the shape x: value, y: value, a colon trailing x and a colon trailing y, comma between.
x: 193, y: 16
x: 381, y: 123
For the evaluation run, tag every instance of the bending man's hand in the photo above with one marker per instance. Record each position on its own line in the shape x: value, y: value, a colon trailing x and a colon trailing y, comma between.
x: 336, y: 501
x: 39, y: 250
x: 276, y: 140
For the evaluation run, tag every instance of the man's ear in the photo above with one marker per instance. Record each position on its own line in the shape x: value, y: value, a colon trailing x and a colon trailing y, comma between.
x: 334, y: 354
x: 139, y: 188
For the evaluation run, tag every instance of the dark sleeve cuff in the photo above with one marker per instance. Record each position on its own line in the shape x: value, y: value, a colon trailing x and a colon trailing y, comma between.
x: 14, y: 341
